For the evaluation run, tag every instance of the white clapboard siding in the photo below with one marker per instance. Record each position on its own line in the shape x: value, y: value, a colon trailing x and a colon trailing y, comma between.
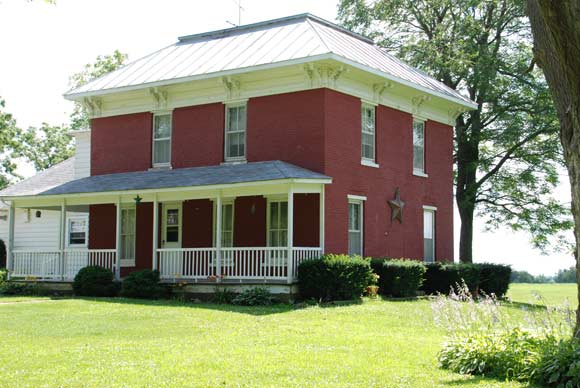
x: 82, y: 166
x: 32, y: 233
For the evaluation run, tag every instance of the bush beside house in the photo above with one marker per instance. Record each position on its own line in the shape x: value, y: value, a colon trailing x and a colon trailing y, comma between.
x: 95, y: 281
x: 143, y: 284
x: 334, y: 277
x: 485, y: 277
x: 398, y: 278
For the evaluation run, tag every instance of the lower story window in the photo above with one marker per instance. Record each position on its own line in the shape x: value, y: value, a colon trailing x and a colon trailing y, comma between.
x: 278, y: 224
x: 429, y: 235
x: 355, y: 229
x: 228, y: 225
x: 128, y: 221
x: 77, y: 232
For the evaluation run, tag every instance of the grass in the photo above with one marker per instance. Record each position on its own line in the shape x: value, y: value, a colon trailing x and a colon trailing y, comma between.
x: 552, y: 294
x: 132, y: 343
x: 123, y: 343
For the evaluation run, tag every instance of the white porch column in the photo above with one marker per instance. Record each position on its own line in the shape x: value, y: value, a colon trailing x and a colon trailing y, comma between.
x: 290, y: 262
x: 10, y: 247
x: 118, y: 242
x: 62, y: 238
x: 155, y: 230
x: 321, y: 222
x: 218, y: 238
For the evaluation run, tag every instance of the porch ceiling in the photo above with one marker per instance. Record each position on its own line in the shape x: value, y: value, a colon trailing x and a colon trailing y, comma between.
x: 179, y: 178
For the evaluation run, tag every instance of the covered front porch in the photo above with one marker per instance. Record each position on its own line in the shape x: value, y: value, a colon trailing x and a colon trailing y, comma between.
x: 246, y: 223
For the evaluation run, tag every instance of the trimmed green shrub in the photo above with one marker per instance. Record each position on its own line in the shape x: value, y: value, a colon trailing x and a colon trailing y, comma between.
x: 24, y: 289
x: 399, y: 278
x: 334, y: 277
x: 95, y: 281
x: 494, y: 278
x: 143, y: 284
x: 559, y: 366
x: 257, y: 296
x: 436, y: 279
x: 3, y: 275
x: 489, y: 278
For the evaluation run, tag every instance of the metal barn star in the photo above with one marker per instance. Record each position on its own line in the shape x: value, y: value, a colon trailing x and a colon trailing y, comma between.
x: 397, y: 207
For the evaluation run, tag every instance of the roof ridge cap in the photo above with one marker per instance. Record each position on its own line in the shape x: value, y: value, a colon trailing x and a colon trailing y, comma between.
x: 317, y: 33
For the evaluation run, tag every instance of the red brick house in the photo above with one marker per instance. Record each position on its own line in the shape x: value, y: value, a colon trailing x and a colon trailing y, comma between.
x: 239, y: 153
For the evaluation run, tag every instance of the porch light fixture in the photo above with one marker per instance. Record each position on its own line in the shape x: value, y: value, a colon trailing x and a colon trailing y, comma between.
x: 137, y: 199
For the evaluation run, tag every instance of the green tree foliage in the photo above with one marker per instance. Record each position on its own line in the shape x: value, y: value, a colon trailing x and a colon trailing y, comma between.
x: 46, y: 146
x: 506, y: 151
x: 566, y: 275
x: 103, y: 64
x: 9, y: 147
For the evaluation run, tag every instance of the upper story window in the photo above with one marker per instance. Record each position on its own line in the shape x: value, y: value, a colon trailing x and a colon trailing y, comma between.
x: 368, y: 133
x: 235, y: 133
x: 419, y: 147
x: 161, y: 139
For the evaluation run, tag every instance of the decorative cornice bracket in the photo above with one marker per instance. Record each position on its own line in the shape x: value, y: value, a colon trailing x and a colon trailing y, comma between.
x: 418, y: 101
x: 232, y: 87
x: 93, y: 106
x: 323, y: 75
x: 380, y: 88
x: 159, y: 97
x: 454, y: 113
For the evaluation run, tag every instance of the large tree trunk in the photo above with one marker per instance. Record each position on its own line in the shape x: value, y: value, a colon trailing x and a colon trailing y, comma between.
x: 556, y: 29
x: 466, y: 190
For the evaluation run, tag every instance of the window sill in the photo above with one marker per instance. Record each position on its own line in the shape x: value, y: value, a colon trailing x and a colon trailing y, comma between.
x: 127, y: 263
x: 161, y: 167
x: 369, y: 163
x: 234, y: 161
x: 420, y: 174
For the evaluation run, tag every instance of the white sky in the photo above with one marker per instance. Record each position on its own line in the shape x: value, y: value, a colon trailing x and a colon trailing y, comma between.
x: 41, y: 45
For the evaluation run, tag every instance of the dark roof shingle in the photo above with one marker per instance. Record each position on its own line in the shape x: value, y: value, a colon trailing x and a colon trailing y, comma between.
x: 160, y: 179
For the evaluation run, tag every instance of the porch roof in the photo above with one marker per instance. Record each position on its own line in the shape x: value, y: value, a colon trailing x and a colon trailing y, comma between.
x: 163, y: 179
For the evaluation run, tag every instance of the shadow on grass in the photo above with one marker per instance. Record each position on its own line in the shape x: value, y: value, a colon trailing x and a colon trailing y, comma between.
x: 524, y: 306
x: 279, y: 308
x: 476, y: 381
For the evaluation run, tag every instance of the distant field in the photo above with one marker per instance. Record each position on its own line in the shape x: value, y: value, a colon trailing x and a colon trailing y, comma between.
x: 551, y: 294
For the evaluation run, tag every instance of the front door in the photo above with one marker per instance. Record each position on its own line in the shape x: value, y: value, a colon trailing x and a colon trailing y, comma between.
x: 172, y: 220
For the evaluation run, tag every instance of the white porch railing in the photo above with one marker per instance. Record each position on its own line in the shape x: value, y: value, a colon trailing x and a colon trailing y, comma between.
x: 261, y: 263
x: 59, y: 265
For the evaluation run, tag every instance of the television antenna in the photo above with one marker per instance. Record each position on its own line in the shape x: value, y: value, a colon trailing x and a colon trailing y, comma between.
x: 238, y: 3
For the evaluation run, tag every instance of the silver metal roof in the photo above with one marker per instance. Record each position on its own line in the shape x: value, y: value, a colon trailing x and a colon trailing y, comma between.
x: 158, y: 179
x: 278, y: 42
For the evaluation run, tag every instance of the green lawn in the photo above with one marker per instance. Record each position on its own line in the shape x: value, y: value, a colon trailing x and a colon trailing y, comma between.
x: 551, y: 294
x: 121, y: 343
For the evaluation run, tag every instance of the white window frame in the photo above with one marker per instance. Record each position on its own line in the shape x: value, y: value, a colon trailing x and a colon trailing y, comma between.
x: 268, y: 226
x: 433, y: 211
x: 419, y: 171
x: 358, y: 201
x: 68, y: 231
x: 129, y: 262
x: 224, y: 204
x: 234, y: 159
x: 366, y: 161
x: 154, y: 140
